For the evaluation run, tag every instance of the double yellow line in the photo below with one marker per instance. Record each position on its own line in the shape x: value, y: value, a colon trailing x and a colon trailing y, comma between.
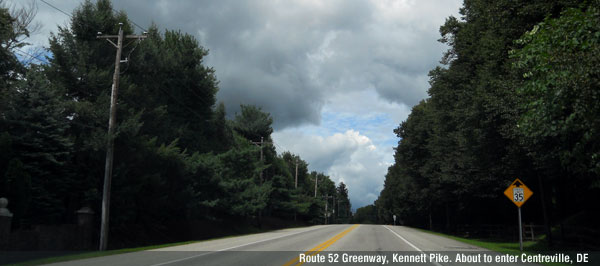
x: 321, y: 247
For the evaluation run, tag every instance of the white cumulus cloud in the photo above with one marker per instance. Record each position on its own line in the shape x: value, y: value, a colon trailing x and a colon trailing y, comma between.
x: 348, y: 157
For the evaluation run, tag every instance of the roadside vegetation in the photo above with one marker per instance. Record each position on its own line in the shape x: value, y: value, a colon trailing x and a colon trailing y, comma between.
x: 180, y: 158
x: 518, y: 96
x: 512, y: 248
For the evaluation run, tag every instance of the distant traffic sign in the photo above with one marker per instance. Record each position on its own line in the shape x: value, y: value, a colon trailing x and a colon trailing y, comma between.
x: 518, y: 192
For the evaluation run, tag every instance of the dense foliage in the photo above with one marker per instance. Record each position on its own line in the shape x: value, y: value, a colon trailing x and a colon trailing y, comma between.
x: 518, y: 97
x: 365, y: 215
x: 177, y: 156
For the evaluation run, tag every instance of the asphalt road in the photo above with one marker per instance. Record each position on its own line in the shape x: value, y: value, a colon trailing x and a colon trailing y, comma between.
x: 328, y: 244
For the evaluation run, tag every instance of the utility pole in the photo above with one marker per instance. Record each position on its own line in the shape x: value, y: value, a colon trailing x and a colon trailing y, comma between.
x: 326, y: 202
x: 260, y: 144
x: 261, y: 158
x: 333, y: 217
x: 338, y: 209
x: 296, y: 184
x: 110, y: 146
x: 316, y: 181
x: 327, y: 197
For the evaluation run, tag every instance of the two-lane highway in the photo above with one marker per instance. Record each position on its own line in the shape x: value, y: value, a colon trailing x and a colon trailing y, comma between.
x: 302, y: 246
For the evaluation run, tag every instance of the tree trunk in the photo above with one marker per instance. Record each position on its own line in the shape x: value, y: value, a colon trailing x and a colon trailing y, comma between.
x: 545, y: 211
x: 430, y: 220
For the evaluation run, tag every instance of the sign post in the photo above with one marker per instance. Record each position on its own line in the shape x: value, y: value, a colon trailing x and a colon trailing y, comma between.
x: 394, y: 219
x: 520, y: 232
x: 518, y: 193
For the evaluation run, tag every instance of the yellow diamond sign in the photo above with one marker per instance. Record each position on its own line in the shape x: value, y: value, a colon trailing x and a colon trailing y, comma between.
x: 518, y: 192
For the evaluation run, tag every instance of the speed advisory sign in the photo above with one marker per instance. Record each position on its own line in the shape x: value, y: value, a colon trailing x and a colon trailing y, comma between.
x: 518, y: 192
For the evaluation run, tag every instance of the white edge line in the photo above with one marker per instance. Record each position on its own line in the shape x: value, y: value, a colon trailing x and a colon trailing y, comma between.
x: 211, y: 252
x: 411, y: 244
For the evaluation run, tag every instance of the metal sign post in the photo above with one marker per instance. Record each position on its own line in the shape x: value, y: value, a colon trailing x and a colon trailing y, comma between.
x: 520, y: 232
x: 518, y: 193
x: 394, y: 219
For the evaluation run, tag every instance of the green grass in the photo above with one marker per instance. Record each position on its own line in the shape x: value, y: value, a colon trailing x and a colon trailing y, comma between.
x: 512, y: 248
x: 93, y: 254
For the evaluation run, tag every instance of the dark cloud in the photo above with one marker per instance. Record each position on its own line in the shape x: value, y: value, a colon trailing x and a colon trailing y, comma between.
x: 289, y: 56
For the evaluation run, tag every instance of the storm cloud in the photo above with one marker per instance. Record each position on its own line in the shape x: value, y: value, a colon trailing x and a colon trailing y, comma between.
x: 290, y: 56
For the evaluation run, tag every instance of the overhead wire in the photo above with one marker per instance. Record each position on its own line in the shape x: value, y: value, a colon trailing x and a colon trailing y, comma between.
x: 165, y: 91
x: 31, y: 56
x: 56, y: 8
x: 132, y: 22
x: 70, y: 15
x: 282, y: 149
x: 137, y: 42
x: 143, y: 29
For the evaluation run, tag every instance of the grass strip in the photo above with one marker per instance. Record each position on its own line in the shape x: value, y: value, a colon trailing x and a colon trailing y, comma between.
x: 512, y: 248
x: 93, y: 254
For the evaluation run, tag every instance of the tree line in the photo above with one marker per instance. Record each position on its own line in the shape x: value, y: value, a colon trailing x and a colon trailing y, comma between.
x: 178, y: 157
x: 518, y: 96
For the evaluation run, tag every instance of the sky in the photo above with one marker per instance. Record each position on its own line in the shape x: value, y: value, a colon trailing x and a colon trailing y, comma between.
x: 337, y: 76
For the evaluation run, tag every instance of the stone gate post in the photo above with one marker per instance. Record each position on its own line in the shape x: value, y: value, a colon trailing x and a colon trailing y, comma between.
x: 85, y: 218
x: 5, y: 222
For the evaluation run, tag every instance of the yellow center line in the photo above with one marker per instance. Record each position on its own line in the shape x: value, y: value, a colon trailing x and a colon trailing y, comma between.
x: 321, y: 247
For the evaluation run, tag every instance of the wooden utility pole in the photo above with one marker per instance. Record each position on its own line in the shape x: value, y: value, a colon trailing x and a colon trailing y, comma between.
x: 110, y: 146
x: 261, y: 158
x: 333, y: 218
x: 316, y: 181
x: 260, y: 144
x: 327, y: 197
x: 296, y: 184
x: 338, y: 209
x: 326, y: 202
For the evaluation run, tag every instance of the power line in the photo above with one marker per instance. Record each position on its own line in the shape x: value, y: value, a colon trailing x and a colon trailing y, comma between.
x: 132, y: 22
x: 56, y: 8
x: 282, y: 148
x: 61, y: 11
x: 71, y: 16
x: 181, y: 104
x: 143, y: 29
x: 198, y: 97
x: 30, y: 55
x: 174, y: 98
x: 130, y: 101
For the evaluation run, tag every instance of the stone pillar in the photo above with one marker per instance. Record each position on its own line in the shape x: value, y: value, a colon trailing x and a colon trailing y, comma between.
x: 85, y: 220
x: 5, y: 222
